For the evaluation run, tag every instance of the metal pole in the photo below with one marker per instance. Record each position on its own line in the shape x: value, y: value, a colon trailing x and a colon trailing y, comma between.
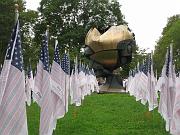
x: 16, y: 12
x: 47, y: 31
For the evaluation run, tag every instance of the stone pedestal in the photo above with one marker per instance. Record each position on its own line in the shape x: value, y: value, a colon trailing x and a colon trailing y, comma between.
x: 113, y: 84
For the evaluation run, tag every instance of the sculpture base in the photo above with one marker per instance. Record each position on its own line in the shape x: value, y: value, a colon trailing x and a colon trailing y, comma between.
x: 113, y: 85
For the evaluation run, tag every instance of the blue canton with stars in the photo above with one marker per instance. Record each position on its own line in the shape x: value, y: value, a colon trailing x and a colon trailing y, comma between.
x: 44, y: 56
x: 56, y: 55
x: 167, y: 64
x: 80, y: 68
x: 149, y: 63
x: 145, y: 67
x: 15, y: 43
x: 29, y: 71
x: 65, y: 64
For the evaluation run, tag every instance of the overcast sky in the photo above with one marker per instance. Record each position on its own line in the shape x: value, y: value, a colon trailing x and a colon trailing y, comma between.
x: 146, y: 18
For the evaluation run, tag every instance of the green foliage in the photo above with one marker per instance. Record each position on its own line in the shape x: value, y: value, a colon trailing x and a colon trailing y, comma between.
x: 138, y: 56
x: 68, y: 20
x: 7, y: 19
x: 30, y: 47
x: 104, y: 114
x: 170, y: 34
x: 71, y: 20
x: 27, y: 22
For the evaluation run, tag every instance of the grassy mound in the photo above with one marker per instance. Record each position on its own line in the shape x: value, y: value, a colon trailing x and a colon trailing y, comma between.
x: 104, y: 114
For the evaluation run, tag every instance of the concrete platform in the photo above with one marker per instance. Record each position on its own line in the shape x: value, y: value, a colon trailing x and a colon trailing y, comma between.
x: 105, y: 89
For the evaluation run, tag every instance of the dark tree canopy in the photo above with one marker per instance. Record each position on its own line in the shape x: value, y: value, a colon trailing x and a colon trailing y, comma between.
x: 170, y: 35
x: 70, y: 20
x: 7, y: 19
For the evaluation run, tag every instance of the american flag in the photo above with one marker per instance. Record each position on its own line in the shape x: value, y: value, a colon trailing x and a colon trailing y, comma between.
x: 72, y: 83
x: 65, y: 65
x: 29, y: 85
x: 13, y: 119
x: 143, y: 80
x: 43, y: 90
x: 175, y: 127
x: 0, y: 69
x: 168, y: 62
x: 152, y: 94
x: 167, y: 95
x: 58, y: 94
x: 145, y: 68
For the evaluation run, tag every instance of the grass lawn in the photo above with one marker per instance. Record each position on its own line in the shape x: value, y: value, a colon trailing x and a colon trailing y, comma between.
x: 104, y: 114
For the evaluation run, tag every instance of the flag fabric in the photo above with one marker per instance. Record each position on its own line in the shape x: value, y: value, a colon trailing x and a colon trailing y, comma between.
x: 167, y: 95
x: 29, y: 85
x: 152, y: 93
x: 144, y: 81
x: 75, y: 90
x: 58, y: 94
x: 82, y: 80
x: 175, y: 127
x: 161, y: 79
x: 13, y: 119
x: 0, y: 68
x: 65, y: 65
x: 37, y: 83
x: 93, y: 82
x: 130, y: 78
x: 137, y: 91
x: 132, y: 86
x: 130, y: 81
x: 42, y: 90
x: 142, y: 85
x: 72, y: 82
x: 87, y: 85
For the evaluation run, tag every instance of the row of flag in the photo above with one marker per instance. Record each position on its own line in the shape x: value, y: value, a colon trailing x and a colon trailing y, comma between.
x: 145, y: 87
x: 52, y: 89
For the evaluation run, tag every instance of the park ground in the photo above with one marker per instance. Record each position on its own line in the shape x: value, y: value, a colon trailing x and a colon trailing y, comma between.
x: 104, y: 114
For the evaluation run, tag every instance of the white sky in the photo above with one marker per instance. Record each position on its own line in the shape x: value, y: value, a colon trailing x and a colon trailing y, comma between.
x: 32, y: 4
x: 146, y: 18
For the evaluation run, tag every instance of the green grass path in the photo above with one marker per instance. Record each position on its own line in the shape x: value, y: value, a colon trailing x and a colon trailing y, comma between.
x: 104, y: 114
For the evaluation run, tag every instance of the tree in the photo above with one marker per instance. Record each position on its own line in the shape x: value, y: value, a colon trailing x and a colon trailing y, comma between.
x: 27, y: 22
x: 70, y: 20
x: 170, y: 35
x: 30, y: 47
x: 138, y: 56
x: 7, y: 19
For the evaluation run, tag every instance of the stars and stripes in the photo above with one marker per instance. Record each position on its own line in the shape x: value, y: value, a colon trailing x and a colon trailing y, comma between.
x: 0, y: 68
x: 46, y: 116
x: 58, y: 93
x: 29, y: 85
x: 13, y: 119
x: 145, y: 67
x: 149, y: 63
x: 65, y: 64
x: 168, y: 62
x: 56, y: 55
x: 152, y: 93
x: 44, y: 56
x: 42, y: 90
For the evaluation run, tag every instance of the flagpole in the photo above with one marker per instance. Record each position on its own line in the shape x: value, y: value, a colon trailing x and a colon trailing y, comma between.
x: 47, y: 32
x: 167, y: 90
x: 56, y: 42
x: 2, y: 87
x: 16, y: 12
x: 151, y: 88
x: 69, y: 78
